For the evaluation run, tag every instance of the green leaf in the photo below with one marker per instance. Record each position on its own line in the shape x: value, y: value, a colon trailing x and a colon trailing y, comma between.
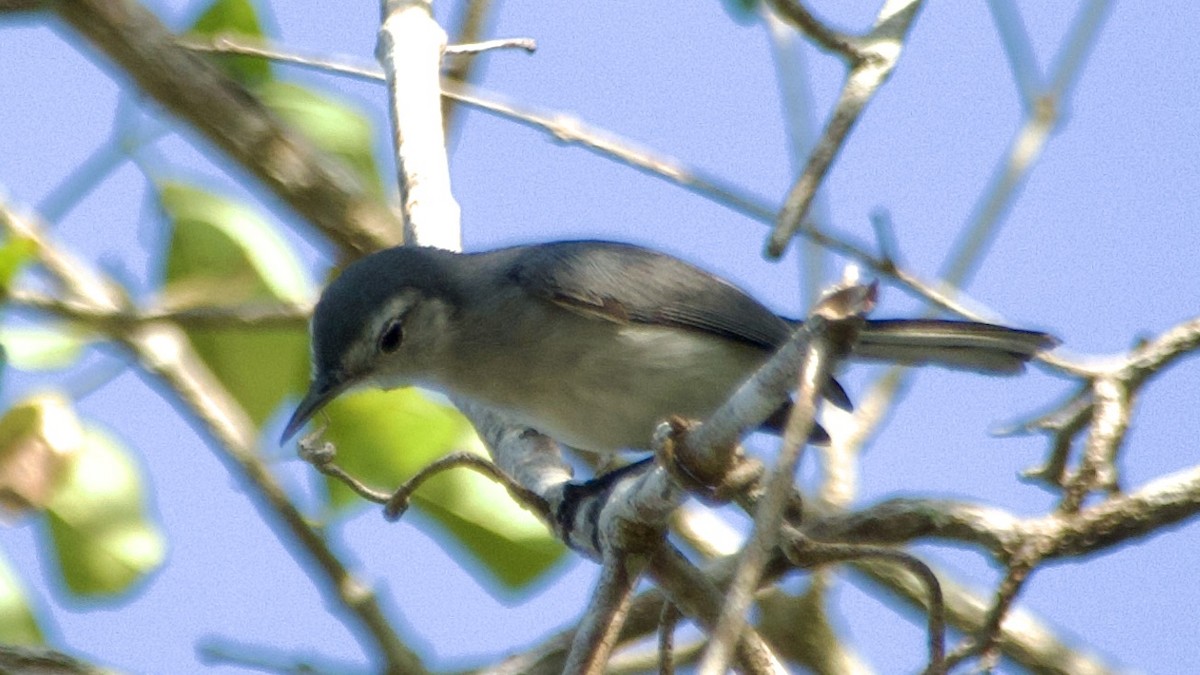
x: 41, y: 347
x: 18, y: 625
x: 334, y: 127
x: 237, y: 18
x: 222, y: 254
x: 103, y: 538
x: 383, y: 438
x: 15, y: 254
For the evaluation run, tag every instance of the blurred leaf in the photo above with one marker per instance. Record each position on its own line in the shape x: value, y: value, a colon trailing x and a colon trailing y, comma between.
x: 744, y: 12
x: 104, y: 539
x: 41, y: 347
x: 221, y: 253
x: 15, y: 253
x: 333, y: 126
x: 383, y: 438
x: 224, y: 237
x: 38, y: 439
x: 238, y: 18
x: 18, y: 626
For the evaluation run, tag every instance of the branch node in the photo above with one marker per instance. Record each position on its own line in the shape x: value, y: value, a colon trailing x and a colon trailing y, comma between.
x: 716, y: 482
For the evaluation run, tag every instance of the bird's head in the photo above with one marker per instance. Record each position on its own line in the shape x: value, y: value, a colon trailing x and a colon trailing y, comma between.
x: 384, y: 321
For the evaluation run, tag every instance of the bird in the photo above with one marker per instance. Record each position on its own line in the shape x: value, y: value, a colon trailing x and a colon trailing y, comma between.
x: 591, y: 343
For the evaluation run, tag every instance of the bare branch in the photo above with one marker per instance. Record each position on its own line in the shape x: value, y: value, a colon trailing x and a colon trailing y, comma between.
x: 1111, y: 410
x: 265, y: 315
x: 1162, y: 502
x: 38, y: 659
x: 805, y: 552
x: 567, y: 129
x: 1023, y: 637
x: 877, y: 55
x: 827, y: 38
x: 600, y: 627
x: 695, y: 594
x: 986, y: 642
x: 526, y: 44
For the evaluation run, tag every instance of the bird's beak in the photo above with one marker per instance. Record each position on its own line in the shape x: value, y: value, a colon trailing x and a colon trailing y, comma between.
x: 322, y: 390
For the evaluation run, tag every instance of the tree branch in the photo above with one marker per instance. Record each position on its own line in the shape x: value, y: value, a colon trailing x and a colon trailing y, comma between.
x: 875, y: 58
x: 163, y: 351
x: 316, y: 186
x: 820, y: 357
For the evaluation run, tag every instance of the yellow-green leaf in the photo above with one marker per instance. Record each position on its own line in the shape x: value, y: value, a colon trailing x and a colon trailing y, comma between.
x: 383, y: 438
x: 238, y: 18
x: 15, y: 253
x: 223, y: 254
x: 44, y: 347
x: 18, y: 626
x: 103, y: 537
x: 38, y: 440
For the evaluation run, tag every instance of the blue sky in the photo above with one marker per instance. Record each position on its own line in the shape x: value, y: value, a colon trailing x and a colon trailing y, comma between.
x: 1099, y: 248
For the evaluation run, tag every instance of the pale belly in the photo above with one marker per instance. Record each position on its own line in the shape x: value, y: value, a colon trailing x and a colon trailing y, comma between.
x: 610, y: 394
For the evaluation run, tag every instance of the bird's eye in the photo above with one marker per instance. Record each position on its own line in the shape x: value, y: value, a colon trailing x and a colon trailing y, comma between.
x: 392, y: 336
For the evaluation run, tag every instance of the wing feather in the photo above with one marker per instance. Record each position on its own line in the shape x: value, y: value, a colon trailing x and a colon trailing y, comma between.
x: 629, y: 284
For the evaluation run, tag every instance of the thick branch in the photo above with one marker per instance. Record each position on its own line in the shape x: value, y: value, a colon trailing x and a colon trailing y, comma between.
x: 318, y: 187
x: 1158, y: 504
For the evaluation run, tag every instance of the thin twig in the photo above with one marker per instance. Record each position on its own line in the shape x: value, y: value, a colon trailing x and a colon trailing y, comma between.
x: 690, y: 590
x: 1006, y: 595
x: 1042, y: 113
x: 827, y: 38
x: 805, y: 552
x: 470, y: 24
x: 877, y: 55
x: 527, y: 44
x: 397, y: 503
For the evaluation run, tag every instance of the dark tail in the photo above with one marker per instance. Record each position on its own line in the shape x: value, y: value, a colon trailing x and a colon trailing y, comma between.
x: 963, y: 345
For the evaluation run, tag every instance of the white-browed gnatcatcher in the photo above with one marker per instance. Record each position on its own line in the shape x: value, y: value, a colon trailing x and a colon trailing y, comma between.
x: 591, y: 343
